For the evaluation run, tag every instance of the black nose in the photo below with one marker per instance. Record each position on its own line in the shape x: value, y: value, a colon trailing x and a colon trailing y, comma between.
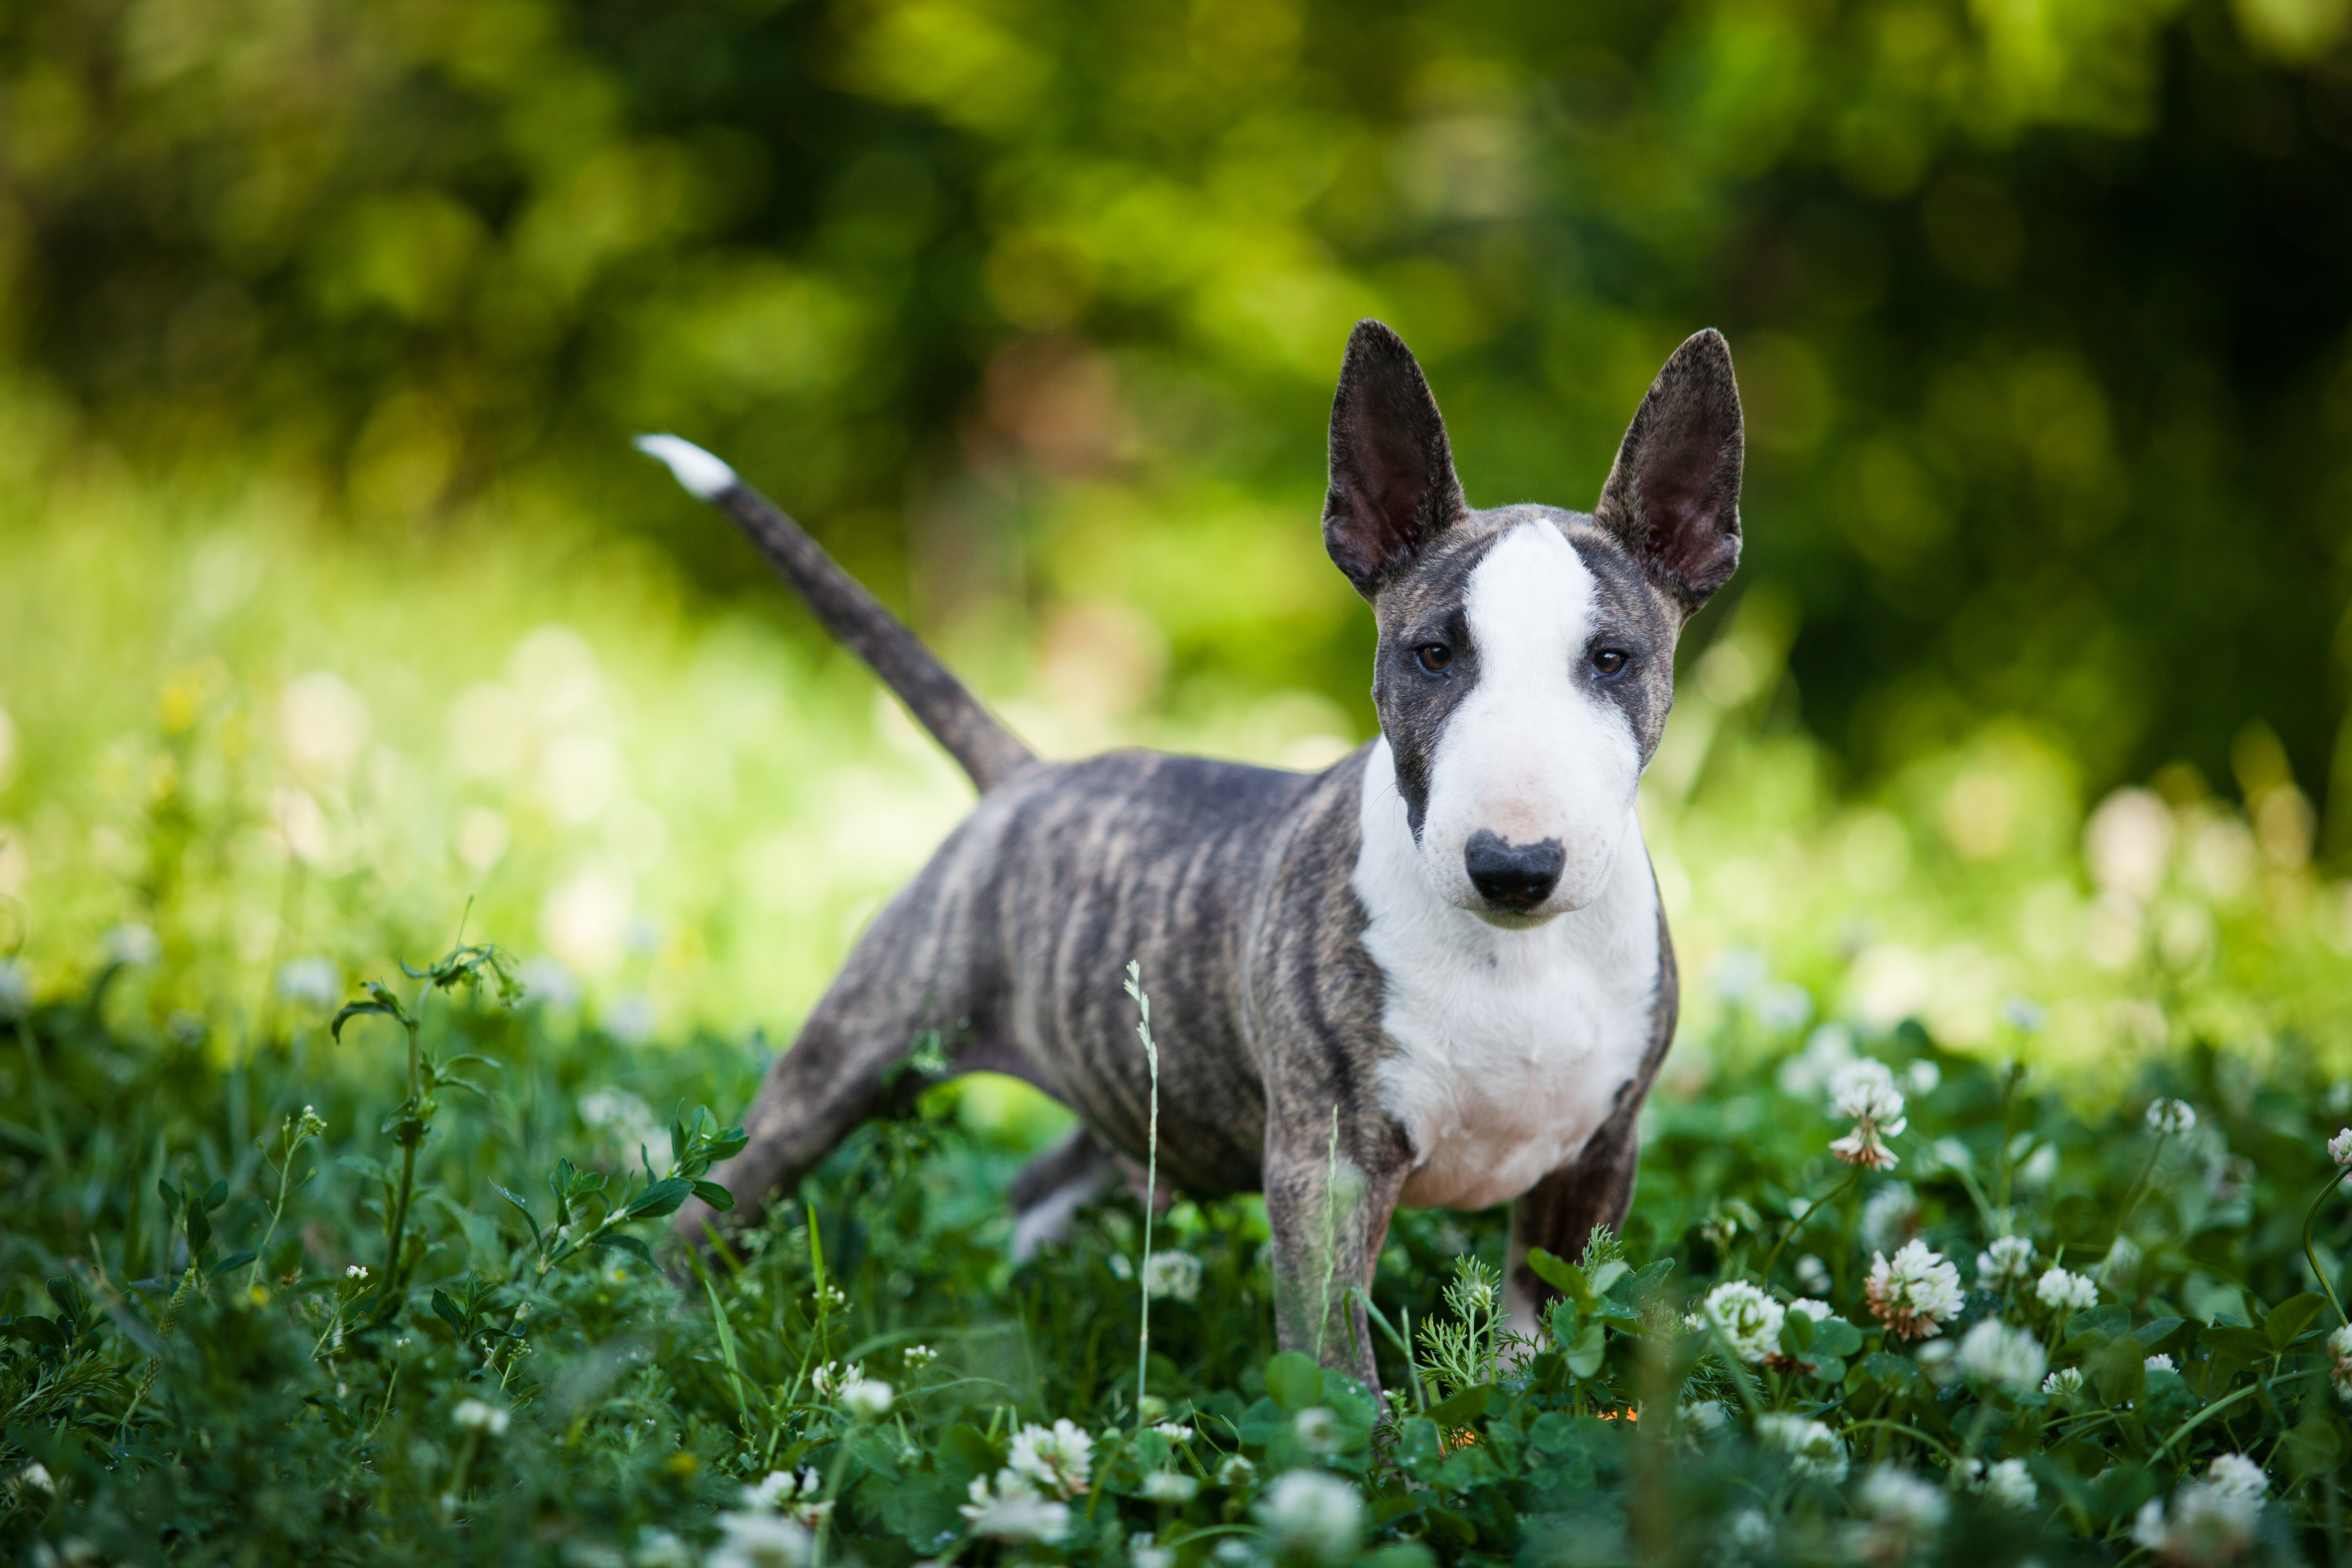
x: 1513, y: 876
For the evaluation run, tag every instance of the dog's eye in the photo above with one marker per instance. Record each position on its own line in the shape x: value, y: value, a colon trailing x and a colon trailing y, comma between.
x: 1610, y: 660
x: 1433, y: 656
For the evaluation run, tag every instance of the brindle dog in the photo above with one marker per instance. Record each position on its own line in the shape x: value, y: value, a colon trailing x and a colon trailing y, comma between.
x: 1436, y: 973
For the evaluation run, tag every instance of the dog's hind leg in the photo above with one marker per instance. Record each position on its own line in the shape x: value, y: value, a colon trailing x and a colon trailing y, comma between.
x: 904, y: 975
x: 1051, y: 1188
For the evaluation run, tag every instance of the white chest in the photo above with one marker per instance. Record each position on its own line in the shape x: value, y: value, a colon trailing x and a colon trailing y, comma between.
x: 1511, y: 1047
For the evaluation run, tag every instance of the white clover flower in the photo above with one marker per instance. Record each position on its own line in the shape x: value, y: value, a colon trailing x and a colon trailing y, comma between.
x: 1314, y: 1512
x: 1889, y: 1215
x: 1056, y: 1461
x: 134, y: 944
x: 2171, y: 1119
x: 2158, y: 1364
x: 1866, y: 1091
x: 1992, y: 1351
x: 2066, y: 1382
x: 1172, y: 1276
x: 867, y: 1399
x: 1236, y: 1471
x: 2068, y: 1291
x: 1168, y: 1485
x: 1812, y: 1274
x: 1750, y: 1320
x: 473, y: 1416
x: 1705, y: 1417
x: 2339, y: 1348
x: 2008, y: 1261
x: 2204, y: 1524
x: 2239, y: 1475
x: 659, y: 1549
x: 1011, y: 1510
x: 1900, y: 1511
x: 2008, y: 1483
x: 1813, y: 1448
x: 1913, y: 1292
x: 1818, y: 1311
x: 1174, y: 1431
x: 831, y: 1378
x: 795, y: 1497
x: 2024, y: 1015
x: 313, y: 982
x: 1939, y: 1363
x: 760, y: 1540
x: 1317, y: 1429
x: 2340, y: 1148
x: 1144, y: 1550
x: 1747, y: 1536
x: 36, y: 1474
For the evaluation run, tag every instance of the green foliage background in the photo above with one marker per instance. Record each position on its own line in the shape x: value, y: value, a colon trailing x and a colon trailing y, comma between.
x: 334, y: 595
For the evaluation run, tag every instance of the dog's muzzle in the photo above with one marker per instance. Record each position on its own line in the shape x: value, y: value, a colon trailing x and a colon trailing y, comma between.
x: 1513, y: 876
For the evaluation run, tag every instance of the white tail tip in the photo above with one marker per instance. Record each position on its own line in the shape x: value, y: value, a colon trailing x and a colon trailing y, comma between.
x: 704, y: 476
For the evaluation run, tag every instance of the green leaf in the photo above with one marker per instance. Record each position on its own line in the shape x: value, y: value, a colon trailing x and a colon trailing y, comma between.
x: 39, y: 1331
x: 1591, y: 1347
x: 714, y: 1195
x: 2121, y: 1373
x: 1464, y: 1407
x: 1796, y: 1335
x: 1836, y: 1337
x: 360, y: 1009
x: 618, y: 1241
x: 1560, y: 1275
x: 446, y: 1310
x: 234, y: 1261
x: 2288, y: 1318
x: 1295, y: 1380
x: 2314, y: 1446
x: 537, y: 1238
x: 663, y: 1197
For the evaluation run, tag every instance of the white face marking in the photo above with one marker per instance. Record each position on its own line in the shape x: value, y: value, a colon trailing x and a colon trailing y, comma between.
x: 1533, y: 753
x: 1511, y: 1046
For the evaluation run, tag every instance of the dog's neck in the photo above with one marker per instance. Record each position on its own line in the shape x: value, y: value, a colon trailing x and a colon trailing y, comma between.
x: 1510, y: 1047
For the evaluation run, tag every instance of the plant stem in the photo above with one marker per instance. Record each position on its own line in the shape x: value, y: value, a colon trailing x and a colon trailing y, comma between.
x: 1798, y: 1224
x: 396, y: 1230
x: 1151, y: 1186
x: 2311, y: 1217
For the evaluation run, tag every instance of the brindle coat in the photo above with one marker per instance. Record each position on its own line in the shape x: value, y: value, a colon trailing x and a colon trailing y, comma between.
x: 1231, y: 884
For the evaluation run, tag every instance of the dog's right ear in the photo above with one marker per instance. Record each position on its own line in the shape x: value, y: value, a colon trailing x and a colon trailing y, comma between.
x: 1392, y: 485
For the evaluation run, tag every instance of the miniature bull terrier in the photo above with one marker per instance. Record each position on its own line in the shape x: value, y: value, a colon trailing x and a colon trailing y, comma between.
x: 1435, y: 973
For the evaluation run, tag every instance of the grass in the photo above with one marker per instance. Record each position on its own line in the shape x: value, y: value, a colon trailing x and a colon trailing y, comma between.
x: 237, y: 1331
x: 402, y: 1296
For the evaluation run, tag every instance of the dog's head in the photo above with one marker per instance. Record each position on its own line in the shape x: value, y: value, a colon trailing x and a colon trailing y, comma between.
x: 1526, y: 653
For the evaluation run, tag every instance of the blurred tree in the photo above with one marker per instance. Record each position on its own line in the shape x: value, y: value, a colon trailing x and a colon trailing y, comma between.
x: 1032, y: 305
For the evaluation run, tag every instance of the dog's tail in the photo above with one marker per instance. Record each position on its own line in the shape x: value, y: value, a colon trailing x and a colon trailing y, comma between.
x: 989, y: 751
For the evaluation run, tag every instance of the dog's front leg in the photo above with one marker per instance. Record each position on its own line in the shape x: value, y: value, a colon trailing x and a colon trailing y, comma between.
x: 1327, y: 1200
x: 1559, y: 1214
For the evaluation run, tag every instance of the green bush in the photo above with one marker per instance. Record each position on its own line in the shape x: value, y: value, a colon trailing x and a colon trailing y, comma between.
x: 242, y: 1327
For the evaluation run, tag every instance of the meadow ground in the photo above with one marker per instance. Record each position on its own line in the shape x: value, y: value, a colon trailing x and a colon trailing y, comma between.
x: 272, y: 1295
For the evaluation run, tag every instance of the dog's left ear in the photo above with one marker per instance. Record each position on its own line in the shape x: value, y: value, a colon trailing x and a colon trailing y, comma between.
x: 1673, y: 497
x: 1392, y: 485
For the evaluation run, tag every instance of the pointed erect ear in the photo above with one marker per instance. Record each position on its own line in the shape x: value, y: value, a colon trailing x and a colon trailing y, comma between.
x: 1673, y: 497
x: 1392, y: 485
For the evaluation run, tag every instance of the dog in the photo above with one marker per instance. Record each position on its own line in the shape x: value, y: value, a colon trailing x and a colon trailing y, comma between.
x: 1437, y: 973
